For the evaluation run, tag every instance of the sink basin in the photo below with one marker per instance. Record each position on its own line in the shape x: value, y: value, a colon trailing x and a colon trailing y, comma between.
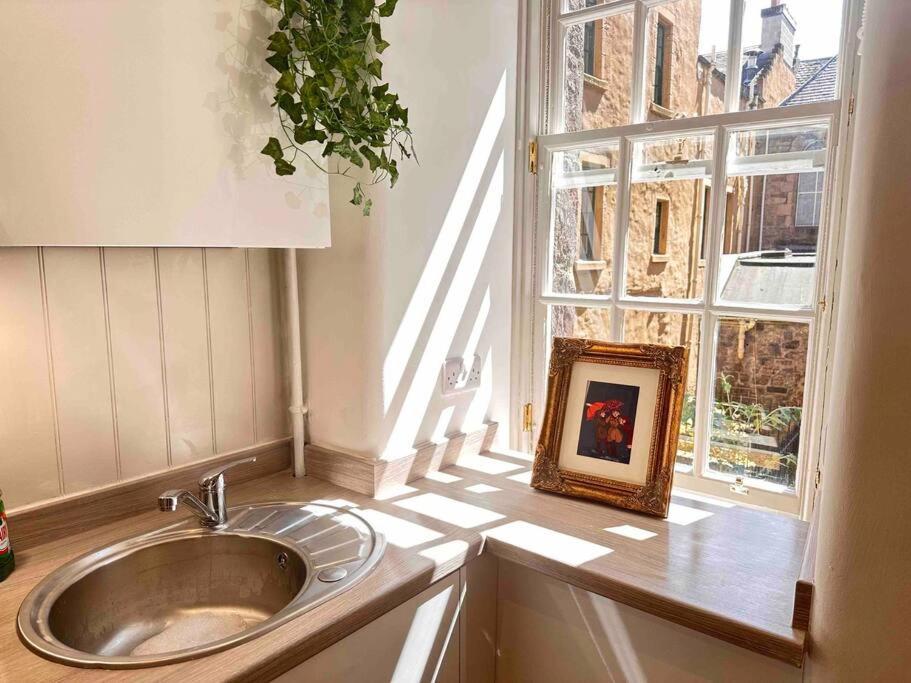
x: 184, y: 591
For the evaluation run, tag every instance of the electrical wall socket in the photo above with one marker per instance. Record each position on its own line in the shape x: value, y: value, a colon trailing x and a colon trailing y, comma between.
x: 457, y: 376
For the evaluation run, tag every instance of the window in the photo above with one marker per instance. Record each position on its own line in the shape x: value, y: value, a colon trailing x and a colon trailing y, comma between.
x: 809, y: 199
x: 589, y: 48
x: 706, y: 207
x: 589, y: 225
x: 694, y: 217
x: 659, y: 238
x: 662, y: 35
x: 589, y: 43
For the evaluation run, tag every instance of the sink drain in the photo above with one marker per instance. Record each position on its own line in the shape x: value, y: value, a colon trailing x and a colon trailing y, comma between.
x: 282, y: 559
x: 332, y: 574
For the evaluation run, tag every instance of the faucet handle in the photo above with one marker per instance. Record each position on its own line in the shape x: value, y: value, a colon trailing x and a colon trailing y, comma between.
x: 214, y: 478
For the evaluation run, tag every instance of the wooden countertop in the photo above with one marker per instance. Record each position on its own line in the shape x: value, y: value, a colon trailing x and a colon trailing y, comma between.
x: 724, y: 570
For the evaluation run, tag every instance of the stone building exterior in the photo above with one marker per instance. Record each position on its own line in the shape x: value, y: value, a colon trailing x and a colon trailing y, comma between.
x: 771, y: 221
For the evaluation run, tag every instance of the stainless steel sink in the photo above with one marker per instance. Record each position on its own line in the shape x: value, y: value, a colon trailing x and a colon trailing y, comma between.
x: 184, y: 591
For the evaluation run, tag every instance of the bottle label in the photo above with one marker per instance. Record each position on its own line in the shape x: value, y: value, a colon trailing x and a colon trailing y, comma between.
x: 4, y: 536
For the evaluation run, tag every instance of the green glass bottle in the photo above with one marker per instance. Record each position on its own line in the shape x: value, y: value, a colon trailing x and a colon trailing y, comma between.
x: 7, y: 559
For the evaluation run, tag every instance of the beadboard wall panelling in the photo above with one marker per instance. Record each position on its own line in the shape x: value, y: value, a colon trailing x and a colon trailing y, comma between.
x: 137, y: 360
x: 77, y: 326
x: 186, y: 349
x: 268, y: 352
x: 232, y: 362
x: 28, y: 451
x: 117, y: 363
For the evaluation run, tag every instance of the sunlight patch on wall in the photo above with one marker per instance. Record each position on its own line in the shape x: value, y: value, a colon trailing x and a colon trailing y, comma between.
x: 431, y: 279
x: 426, y: 376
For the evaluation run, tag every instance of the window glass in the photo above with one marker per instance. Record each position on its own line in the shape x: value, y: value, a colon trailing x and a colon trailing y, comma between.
x: 665, y: 217
x: 587, y: 323
x: 585, y: 197
x: 675, y: 329
x: 685, y: 69
x: 597, y: 72
x: 809, y: 199
x: 771, y: 231
x: 790, y: 53
x: 757, y: 411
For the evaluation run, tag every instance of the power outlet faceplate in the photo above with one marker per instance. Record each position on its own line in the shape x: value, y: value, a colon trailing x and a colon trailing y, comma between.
x: 459, y: 376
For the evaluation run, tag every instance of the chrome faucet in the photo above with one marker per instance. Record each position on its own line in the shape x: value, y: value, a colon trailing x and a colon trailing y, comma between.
x: 210, y: 507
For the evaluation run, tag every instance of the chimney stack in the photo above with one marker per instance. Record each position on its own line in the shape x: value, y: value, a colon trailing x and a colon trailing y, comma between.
x: 778, y: 28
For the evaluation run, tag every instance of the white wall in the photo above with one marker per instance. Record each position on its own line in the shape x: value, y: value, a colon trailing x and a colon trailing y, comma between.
x: 115, y: 363
x: 428, y: 275
x: 862, y: 603
x: 140, y: 123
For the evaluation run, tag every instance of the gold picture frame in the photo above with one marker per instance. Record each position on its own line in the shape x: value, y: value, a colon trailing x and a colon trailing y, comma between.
x: 622, y: 452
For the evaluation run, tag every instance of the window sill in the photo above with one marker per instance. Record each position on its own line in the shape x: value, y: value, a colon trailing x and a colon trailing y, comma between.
x: 660, y: 258
x: 662, y: 112
x: 589, y: 265
x: 762, y: 495
x: 595, y: 81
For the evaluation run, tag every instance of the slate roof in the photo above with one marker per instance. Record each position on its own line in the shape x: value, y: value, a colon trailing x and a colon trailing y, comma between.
x: 817, y: 78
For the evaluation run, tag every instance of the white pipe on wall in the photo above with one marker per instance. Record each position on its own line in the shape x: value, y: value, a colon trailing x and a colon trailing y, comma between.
x: 295, y: 365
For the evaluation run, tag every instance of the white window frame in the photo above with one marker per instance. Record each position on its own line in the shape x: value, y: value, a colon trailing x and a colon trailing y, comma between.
x: 815, y: 195
x: 540, y: 112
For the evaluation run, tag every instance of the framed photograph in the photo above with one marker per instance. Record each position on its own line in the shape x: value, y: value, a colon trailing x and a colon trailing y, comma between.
x: 611, y: 423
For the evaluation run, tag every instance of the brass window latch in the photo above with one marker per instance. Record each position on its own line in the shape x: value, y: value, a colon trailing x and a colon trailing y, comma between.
x: 527, y: 418
x: 533, y: 157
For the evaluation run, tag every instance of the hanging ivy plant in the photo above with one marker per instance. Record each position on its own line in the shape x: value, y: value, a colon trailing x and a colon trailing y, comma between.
x: 330, y: 91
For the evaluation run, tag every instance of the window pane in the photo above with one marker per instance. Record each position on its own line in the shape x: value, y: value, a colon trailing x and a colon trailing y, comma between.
x: 663, y: 256
x: 598, y: 73
x: 772, y: 216
x: 587, y: 323
x: 790, y: 53
x: 572, y: 5
x: 584, y: 203
x: 685, y: 67
x: 675, y: 329
x: 757, y: 411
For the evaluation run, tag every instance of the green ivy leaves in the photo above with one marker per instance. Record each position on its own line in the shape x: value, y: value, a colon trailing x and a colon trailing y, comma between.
x: 328, y: 90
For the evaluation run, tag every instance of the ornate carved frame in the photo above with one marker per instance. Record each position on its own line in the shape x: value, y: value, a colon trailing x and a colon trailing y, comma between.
x: 652, y: 497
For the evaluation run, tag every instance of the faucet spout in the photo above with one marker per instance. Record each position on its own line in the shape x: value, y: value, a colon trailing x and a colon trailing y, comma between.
x: 211, y: 506
x: 170, y: 501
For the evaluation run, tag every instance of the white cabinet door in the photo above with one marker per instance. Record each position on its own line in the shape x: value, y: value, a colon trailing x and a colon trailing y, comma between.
x: 416, y: 641
x: 550, y: 631
x: 137, y: 123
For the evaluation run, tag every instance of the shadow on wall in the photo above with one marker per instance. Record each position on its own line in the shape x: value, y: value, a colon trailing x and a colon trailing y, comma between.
x: 244, y: 101
x: 450, y: 302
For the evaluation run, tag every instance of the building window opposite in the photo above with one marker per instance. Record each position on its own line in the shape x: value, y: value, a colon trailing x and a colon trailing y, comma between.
x: 662, y: 38
x: 706, y: 205
x: 588, y: 47
x: 659, y: 239
x: 809, y: 199
x: 589, y: 225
